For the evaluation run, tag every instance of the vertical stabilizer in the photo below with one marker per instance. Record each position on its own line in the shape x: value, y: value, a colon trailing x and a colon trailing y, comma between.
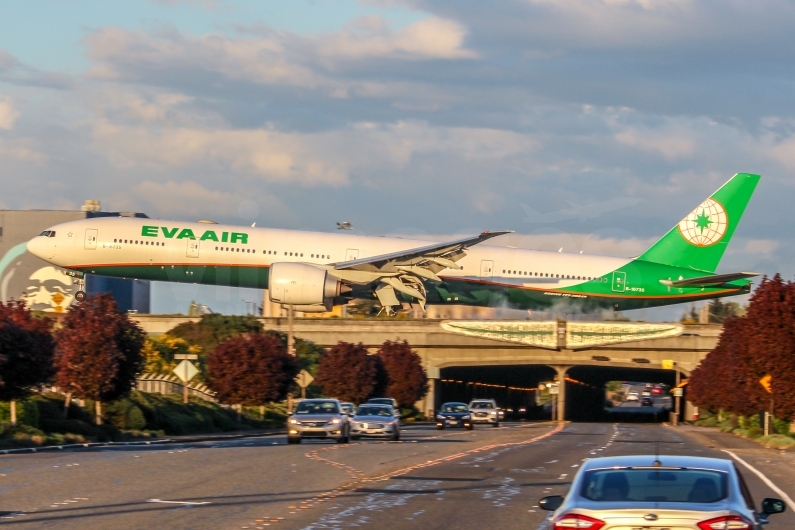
x: 700, y: 239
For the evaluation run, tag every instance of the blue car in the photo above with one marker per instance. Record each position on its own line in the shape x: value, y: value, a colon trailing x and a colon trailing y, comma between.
x: 454, y: 414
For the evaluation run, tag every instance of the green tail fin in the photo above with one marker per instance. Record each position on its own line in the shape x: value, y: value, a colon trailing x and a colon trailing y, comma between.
x: 700, y: 239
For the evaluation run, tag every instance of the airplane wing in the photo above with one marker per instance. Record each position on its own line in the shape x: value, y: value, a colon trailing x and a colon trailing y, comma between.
x: 442, y: 254
x: 405, y: 270
x: 706, y: 281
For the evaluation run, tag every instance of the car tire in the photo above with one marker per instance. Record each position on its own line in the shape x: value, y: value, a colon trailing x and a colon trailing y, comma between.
x: 440, y: 427
x: 496, y: 424
x: 293, y: 441
x: 469, y: 426
x: 395, y: 436
x: 355, y: 438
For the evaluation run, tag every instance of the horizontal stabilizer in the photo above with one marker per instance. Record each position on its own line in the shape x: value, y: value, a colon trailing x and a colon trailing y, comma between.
x: 705, y: 281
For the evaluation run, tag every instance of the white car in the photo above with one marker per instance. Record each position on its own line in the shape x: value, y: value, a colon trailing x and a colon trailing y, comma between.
x: 632, y: 396
x: 485, y: 411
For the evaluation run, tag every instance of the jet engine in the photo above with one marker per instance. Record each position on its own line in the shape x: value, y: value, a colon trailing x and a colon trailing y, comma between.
x: 301, y: 284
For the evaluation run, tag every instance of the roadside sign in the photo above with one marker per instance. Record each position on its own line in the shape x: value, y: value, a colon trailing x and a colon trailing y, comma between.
x: 765, y: 382
x: 667, y: 364
x: 678, y: 392
x: 554, y: 388
x: 187, y: 356
x: 304, y: 379
x: 186, y: 370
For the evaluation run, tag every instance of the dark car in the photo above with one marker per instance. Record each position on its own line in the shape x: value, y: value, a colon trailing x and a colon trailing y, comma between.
x: 454, y: 414
x: 647, y: 401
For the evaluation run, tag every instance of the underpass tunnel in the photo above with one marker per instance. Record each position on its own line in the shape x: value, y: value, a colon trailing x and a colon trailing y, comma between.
x: 513, y: 387
x: 586, y: 397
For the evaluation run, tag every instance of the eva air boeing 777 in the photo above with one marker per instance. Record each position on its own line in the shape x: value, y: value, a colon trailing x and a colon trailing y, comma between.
x: 315, y: 271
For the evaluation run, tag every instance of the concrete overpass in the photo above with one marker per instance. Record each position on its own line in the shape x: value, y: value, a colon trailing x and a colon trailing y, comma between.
x: 589, y: 352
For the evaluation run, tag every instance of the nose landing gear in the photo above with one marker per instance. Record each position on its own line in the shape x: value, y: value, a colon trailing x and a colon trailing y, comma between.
x: 80, y: 281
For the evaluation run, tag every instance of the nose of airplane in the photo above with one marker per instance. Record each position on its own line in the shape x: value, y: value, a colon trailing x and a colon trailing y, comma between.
x: 34, y: 247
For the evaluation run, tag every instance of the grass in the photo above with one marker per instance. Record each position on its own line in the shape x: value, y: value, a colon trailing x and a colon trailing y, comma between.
x: 748, y: 427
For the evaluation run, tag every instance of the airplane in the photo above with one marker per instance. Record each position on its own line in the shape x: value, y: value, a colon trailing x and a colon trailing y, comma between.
x: 312, y: 272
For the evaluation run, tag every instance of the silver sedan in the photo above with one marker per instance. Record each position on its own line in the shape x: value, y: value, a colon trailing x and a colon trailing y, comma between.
x: 681, y: 492
x: 375, y: 421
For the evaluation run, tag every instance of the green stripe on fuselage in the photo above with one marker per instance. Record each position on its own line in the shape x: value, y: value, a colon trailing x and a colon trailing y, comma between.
x: 642, y: 287
x: 226, y: 275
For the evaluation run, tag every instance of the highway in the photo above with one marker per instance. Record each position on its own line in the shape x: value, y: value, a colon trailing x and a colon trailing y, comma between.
x: 486, y: 478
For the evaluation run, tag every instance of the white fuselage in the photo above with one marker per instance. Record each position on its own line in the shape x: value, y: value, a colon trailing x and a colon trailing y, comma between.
x: 120, y: 242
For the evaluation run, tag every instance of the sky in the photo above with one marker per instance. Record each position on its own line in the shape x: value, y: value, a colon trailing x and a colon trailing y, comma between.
x: 416, y: 117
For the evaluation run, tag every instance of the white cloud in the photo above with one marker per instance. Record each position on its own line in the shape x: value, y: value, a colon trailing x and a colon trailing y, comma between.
x: 430, y: 38
x: 8, y: 115
x: 191, y: 200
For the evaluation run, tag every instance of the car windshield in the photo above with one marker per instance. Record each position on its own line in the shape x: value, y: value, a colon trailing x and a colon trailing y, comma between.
x: 481, y: 405
x: 346, y: 407
x: 655, y: 485
x: 454, y: 407
x: 381, y: 401
x: 317, y: 407
x: 364, y: 410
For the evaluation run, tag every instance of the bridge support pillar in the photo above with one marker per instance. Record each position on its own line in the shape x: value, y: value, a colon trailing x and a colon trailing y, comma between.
x: 561, y: 404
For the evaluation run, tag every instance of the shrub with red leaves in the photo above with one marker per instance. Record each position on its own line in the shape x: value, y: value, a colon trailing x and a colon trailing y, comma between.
x: 98, y: 351
x: 348, y: 373
x: 251, y: 369
x: 761, y: 342
x: 407, y: 380
x: 26, y: 351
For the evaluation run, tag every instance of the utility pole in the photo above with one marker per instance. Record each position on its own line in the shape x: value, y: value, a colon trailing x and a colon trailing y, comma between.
x: 290, y: 350
x: 676, y: 397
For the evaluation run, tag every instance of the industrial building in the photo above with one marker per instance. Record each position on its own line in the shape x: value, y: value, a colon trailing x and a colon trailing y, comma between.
x: 45, y: 287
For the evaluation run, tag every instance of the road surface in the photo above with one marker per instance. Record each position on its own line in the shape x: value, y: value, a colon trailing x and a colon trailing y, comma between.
x: 486, y: 478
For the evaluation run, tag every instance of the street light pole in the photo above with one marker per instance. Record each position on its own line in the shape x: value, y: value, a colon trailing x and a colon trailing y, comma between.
x: 290, y: 350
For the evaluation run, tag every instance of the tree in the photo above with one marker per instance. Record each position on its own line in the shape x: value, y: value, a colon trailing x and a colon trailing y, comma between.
x: 251, y: 369
x: 407, y: 380
x: 158, y: 355
x: 26, y: 353
x: 348, y: 373
x: 98, y: 352
x: 214, y: 329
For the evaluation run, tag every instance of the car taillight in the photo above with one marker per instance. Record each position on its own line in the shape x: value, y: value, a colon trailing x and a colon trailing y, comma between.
x: 575, y: 520
x: 726, y: 522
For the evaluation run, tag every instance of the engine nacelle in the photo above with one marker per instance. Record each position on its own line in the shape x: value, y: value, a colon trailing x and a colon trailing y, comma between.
x: 301, y: 284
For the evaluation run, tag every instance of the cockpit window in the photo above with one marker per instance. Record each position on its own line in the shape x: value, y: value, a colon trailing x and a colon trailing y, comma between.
x: 48, y: 233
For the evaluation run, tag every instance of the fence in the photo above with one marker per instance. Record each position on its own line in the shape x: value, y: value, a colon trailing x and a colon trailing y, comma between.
x: 171, y: 384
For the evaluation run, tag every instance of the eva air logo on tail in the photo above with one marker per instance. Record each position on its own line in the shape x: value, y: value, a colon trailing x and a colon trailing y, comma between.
x: 705, y: 225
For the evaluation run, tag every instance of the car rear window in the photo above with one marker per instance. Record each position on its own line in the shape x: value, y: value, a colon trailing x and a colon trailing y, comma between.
x: 655, y: 485
x: 455, y: 407
x: 364, y: 410
x: 317, y: 407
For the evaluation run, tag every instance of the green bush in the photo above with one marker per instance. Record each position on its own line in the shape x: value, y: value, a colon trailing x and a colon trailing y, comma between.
x: 781, y: 426
x: 27, y: 412
x: 168, y: 413
x: 124, y: 414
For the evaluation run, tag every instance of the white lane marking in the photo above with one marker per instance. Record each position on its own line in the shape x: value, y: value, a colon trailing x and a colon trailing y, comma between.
x: 179, y: 502
x: 551, y: 462
x: 786, y: 498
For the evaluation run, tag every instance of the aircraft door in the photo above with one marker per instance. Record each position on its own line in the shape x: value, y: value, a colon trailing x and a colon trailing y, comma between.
x: 193, y: 248
x: 351, y: 254
x: 91, y: 239
x: 486, y: 269
x: 619, y: 281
